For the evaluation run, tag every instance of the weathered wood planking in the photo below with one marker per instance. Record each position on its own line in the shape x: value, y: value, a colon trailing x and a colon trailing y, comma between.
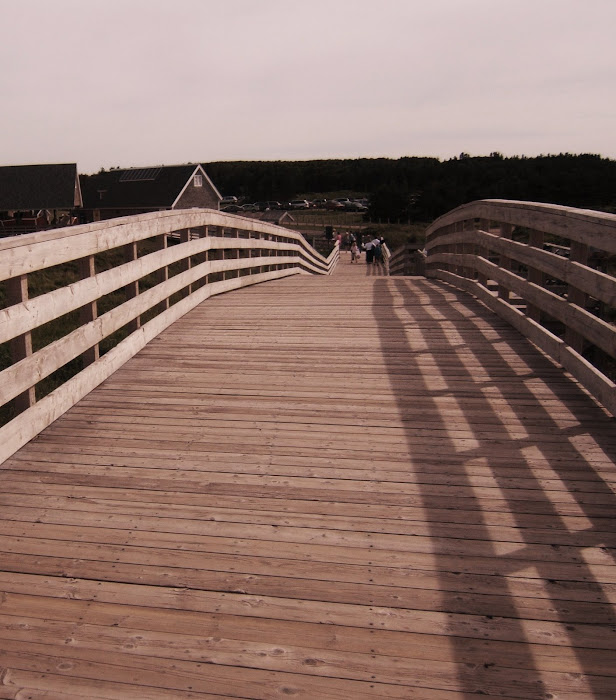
x: 590, y: 227
x: 344, y: 487
x: 273, y: 254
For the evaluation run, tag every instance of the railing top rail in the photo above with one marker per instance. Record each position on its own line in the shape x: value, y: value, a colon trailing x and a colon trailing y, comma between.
x: 27, y: 253
x: 167, y: 221
x: 595, y: 228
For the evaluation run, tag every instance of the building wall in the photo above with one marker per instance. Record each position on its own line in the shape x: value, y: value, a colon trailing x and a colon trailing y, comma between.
x: 203, y: 196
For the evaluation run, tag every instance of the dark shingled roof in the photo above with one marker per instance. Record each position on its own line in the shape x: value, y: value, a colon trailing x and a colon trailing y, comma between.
x: 135, y: 188
x: 34, y: 187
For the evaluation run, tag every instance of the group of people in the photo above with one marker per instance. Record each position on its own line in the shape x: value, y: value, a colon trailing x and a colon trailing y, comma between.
x: 376, y: 251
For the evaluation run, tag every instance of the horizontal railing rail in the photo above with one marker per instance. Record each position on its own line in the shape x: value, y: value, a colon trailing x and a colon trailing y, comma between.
x: 548, y: 270
x: 81, y: 301
x: 407, y: 260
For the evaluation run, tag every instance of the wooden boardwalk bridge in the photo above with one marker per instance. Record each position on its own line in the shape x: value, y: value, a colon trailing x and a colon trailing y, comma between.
x: 341, y: 486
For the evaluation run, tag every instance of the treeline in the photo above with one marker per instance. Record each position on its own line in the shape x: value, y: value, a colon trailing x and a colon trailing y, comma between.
x: 423, y: 188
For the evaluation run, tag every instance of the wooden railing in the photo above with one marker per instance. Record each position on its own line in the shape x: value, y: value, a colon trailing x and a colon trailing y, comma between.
x: 548, y: 270
x: 407, y: 260
x: 124, y: 281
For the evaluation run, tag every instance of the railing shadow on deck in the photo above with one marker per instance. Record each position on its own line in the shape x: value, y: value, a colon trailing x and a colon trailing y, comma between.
x: 542, y: 558
x: 548, y: 270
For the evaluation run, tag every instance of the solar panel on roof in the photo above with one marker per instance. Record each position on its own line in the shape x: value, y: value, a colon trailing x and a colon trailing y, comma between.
x: 140, y: 174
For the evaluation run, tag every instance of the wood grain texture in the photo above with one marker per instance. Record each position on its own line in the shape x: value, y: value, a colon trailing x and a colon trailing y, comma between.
x: 466, y: 249
x: 593, y: 282
x: 20, y: 255
x: 593, y: 228
x: 319, y: 487
x: 597, y: 331
x: 270, y: 252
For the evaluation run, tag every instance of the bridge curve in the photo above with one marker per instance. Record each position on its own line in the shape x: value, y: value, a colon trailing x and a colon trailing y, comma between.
x: 319, y: 487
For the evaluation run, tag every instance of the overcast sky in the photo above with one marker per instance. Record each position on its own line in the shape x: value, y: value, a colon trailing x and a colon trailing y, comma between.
x: 148, y: 82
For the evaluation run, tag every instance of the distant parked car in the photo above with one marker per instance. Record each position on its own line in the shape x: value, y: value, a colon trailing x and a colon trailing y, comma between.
x: 229, y: 199
x: 354, y: 206
x: 232, y: 209
x: 249, y: 207
x: 333, y: 204
x: 299, y: 204
x: 264, y: 206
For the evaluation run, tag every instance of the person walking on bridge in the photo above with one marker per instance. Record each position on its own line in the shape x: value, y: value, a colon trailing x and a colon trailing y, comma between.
x: 369, y: 248
x: 377, y: 265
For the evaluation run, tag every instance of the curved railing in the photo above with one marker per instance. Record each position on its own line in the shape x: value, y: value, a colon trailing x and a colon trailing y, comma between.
x: 407, y: 260
x: 548, y: 270
x: 124, y: 281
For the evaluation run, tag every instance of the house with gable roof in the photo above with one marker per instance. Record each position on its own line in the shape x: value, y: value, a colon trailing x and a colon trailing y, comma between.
x: 33, y: 197
x: 115, y: 193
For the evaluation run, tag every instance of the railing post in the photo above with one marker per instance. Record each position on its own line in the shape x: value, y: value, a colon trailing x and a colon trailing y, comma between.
x: 250, y: 252
x: 163, y: 274
x: 132, y: 289
x: 460, y: 249
x: 222, y: 253
x: 260, y: 252
x: 456, y: 248
x: 481, y: 250
x: 536, y: 239
x: 267, y: 252
x: 238, y: 253
x: 273, y: 253
x: 206, y: 254
x: 185, y: 238
x: 578, y: 253
x: 21, y: 346
x: 506, y: 231
x: 89, y: 312
x: 473, y: 248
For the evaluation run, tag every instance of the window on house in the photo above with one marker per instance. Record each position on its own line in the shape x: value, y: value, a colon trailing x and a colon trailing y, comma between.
x: 198, y: 181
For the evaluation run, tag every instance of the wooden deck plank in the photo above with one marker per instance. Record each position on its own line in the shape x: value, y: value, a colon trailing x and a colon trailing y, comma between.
x: 317, y: 656
x: 318, y: 488
x: 131, y: 515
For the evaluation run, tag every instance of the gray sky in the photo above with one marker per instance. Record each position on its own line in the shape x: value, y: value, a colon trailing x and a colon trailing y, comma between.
x: 146, y: 82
